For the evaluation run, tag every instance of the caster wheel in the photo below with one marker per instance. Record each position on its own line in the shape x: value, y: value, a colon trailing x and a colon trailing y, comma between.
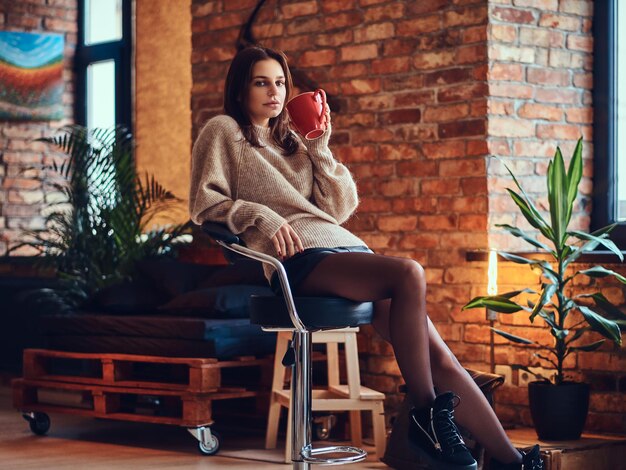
x: 212, y: 447
x: 39, y: 424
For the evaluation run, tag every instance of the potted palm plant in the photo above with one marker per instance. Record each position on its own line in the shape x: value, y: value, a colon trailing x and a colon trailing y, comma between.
x: 100, y: 225
x: 558, y: 405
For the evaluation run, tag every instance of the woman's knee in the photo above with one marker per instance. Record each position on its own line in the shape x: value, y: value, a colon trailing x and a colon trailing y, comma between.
x: 410, y: 273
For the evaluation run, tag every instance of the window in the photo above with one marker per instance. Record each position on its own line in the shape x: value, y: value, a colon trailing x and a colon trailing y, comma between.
x: 609, y: 101
x: 103, y: 63
x: 620, y: 181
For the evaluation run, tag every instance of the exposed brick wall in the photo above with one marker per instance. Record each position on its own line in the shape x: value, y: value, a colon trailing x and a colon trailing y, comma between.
x: 411, y: 82
x: 427, y: 91
x: 22, y: 191
x: 540, y: 80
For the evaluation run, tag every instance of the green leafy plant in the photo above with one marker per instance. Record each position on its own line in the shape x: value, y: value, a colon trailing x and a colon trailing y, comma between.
x: 99, y: 228
x: 553, y: 303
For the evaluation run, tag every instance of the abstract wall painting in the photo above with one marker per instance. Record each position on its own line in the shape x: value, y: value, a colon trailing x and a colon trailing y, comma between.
x: 31, y: 76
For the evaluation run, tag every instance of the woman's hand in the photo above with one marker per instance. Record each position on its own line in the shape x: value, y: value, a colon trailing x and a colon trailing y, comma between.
x: 287, y: 242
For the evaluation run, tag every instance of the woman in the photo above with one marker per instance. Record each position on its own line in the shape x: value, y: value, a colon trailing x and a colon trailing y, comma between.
x: 288, y: 197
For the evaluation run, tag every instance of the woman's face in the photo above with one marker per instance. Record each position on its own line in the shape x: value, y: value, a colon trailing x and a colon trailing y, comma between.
x: 266, y: 92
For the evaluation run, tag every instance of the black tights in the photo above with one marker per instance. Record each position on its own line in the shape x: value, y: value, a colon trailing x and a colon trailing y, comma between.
x: 398, y: 288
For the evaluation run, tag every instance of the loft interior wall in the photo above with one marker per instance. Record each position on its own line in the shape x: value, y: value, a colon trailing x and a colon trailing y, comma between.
x: 162, y: 95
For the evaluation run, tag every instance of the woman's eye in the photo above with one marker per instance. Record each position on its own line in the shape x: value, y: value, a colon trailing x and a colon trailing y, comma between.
x: 280, y: 83
x: 260, y: 83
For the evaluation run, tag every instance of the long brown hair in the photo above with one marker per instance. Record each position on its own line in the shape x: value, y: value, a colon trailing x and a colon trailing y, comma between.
x: 236, y: 97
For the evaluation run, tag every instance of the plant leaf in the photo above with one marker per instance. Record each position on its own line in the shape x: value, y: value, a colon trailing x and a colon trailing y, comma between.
x: 600, y: 271
x: 599, y: 240
x: 548, y: 317
x: 536, y: 217
x: 607, y: 328
x: 546, y: 358
x: 557, y: 198
x: 547, y: 292
x: 588, y: 347
x: 526, y: 369
x: 516, y: 232
x: 574, y: 175
x: 514, y: 293
x: 604, y: 303
x: 578, y: 334
x: 531, y: 214
x: 518, y: 259
x: 510, y: 337
x: 493, y: 302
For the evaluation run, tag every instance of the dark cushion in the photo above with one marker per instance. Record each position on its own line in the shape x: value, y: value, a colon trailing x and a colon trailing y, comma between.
x: 215, y: 302
x: 317, y: 313
x: 156, y: 326
x: 128, y: 298
x: 155, y: 335
x: 174, y: 277
x: 222, y: 348
x: 244, y: 271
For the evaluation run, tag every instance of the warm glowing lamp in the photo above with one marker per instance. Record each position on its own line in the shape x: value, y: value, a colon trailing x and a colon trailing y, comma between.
x: 492, y: 316
x: 492, y: 273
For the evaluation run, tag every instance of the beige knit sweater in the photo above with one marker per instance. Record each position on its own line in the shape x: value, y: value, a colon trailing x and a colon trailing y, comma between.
x: 254, y: 191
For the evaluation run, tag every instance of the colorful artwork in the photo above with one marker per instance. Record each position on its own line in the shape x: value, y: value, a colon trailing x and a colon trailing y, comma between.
x: 31, y: 76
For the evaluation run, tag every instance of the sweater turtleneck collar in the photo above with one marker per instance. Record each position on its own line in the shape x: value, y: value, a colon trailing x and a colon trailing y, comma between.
x: 263, y: 132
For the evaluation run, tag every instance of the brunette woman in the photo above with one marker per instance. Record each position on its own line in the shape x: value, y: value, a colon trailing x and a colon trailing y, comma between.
x: 287, y: 196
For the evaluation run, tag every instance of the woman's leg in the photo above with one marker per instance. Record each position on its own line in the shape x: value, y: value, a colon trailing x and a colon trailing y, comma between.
x: 370, y: 277
x: 474, y: 411
x: 399, y: 321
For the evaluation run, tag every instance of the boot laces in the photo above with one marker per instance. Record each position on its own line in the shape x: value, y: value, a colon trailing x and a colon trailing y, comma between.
x: 532, y: 462
x: 445, y: 431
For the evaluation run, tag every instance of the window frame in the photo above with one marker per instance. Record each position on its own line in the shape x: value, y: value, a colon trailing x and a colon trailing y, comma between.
x: 120, y: 52
x: 604, y: 120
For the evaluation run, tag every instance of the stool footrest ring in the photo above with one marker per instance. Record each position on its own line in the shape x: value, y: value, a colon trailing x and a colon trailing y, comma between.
x: 309, y: 455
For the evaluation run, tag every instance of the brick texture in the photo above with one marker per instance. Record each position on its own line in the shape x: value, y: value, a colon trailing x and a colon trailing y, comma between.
x: 539, y: 58
x: 22, y: 187
x: 424, y: 93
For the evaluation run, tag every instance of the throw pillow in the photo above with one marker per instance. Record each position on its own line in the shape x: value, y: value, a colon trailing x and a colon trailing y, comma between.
x: 215, y: 302
x: 174, y: 277
x: 127, y: 298
x: 245, y: 271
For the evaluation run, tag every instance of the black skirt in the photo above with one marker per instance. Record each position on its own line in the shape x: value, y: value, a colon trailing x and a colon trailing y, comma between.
x: 300, y: 265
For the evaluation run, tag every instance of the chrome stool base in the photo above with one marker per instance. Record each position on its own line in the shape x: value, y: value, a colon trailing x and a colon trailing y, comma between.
x: 299, y: 358
x: 359, y: 455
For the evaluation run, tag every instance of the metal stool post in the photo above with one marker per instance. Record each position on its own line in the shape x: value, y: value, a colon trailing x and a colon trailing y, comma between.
x: 301, y: 400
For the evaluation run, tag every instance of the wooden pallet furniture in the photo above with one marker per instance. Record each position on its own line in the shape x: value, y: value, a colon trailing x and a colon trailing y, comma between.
x: 352, y: 396
x: 177, y: 391
x: 591, y: 451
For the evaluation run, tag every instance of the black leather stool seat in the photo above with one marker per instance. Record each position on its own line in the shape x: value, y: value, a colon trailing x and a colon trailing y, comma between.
x: 317, y: 313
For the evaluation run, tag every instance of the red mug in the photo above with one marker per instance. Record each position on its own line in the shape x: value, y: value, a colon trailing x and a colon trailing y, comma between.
x: 307, y: 113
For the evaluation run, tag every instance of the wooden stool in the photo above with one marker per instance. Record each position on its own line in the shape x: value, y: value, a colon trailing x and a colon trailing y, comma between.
x: 352, y: 397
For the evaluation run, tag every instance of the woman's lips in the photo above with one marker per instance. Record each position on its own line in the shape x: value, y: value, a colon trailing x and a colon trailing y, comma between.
x: 272, y: 105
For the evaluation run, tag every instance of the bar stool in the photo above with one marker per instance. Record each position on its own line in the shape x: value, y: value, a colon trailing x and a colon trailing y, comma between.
x: 350, y: 397
x: 302, y: 316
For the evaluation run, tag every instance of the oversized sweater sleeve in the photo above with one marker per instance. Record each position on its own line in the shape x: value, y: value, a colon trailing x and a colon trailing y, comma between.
x: 213, y: 177
x: 334, y: 190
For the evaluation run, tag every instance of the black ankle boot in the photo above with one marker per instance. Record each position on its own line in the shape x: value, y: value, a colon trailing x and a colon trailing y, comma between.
x: 531, y: 460
x: 435, y: 437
